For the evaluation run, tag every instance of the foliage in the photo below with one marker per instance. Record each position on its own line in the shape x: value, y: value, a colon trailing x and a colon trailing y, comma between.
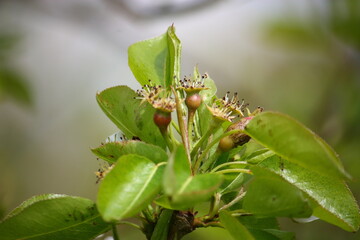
x: 12, y: 82
x: 250, y: 167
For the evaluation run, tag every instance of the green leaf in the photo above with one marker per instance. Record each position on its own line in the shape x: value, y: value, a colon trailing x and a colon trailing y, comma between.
x: 165, y: 202
x: 265, y: 228
x: 129, y: 187
x: 177, y: 171
x: 333, y: 201
x: 131, y: 116
x: 294, y: 142
x: 259, y: 156
x: 196, y: 189
x: 111, y: 151
x: 269, y: 195
x: 278, y: 234
x: 55, y: 217
x: 14, y: 85
x: 207, y: 94
x: 162, y: 226
x: 174, y: 46
x: 250, y: 150
x: 234, y: 184
x: 157, y: 59
x: 235, y: 228
x: 259, y: 223
x: 203, y: 116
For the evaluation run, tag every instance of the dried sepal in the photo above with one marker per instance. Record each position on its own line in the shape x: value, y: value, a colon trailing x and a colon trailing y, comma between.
x: 194, y: 84
x: 157, y: 97
x: 102, y: 171
x: 221, y: 113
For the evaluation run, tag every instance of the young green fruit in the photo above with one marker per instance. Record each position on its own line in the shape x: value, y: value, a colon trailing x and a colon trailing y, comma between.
x: 193, y: 101
x: 226, y: 144
x: 235, y: 139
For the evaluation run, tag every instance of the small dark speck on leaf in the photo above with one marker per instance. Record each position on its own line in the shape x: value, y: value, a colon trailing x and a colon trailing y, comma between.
x: 140, y: 125
x: 281, y: 165
x: 124, y: 110
x: 270, y: 133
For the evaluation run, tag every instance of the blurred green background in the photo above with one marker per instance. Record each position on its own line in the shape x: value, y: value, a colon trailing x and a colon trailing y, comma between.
x: 297, y: 57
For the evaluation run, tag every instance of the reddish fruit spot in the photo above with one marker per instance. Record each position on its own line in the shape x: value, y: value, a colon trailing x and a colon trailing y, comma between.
x: 162, y: 119
x: 193, y: 101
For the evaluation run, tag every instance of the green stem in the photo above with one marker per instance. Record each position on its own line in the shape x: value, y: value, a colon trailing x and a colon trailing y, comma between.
x: 215, y: 207
x: 130, y: 224
x: 235, y: 200
x: 209, y: 161
x: 182, y: 125
x: 241, y: 214
x: 167, y: 139
x: 227, y: 164
x: 174, y: 141
x: 209, y: 146
x: 148, y: 215
x: 176, y: 127
x: 203, y: 138
x: 115, y: 233
x: 236, y: 170
x: 196, y: 127
x: 208, y: 224
x: 191, y: 114
x: 237, y: 211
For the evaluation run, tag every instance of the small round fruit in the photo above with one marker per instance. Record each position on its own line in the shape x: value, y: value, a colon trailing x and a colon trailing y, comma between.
x: 226, y: 144
x: 193, y: 101
x: 162, y: 119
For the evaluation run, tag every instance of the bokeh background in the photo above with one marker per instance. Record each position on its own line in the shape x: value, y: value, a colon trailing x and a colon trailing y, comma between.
x: 297, y: 57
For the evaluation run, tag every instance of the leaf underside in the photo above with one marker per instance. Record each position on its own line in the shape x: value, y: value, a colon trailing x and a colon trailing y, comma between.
x: 112, y: 151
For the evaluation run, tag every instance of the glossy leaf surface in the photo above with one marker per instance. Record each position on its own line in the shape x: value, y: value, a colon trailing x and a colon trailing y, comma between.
x: 234, y: 184
x: 194, y: 190
x: 55, y: 217
x: 333, y: 201
x: 269, y: 195
x: 111, y: 151
x: 176, y: 172
x: 294, y: 142
x: 265, y: 228
x: 197, y: 189
x: 157, y: 59
x: 131, y: 116
x: 237, y: 230
x: 129, y: 187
